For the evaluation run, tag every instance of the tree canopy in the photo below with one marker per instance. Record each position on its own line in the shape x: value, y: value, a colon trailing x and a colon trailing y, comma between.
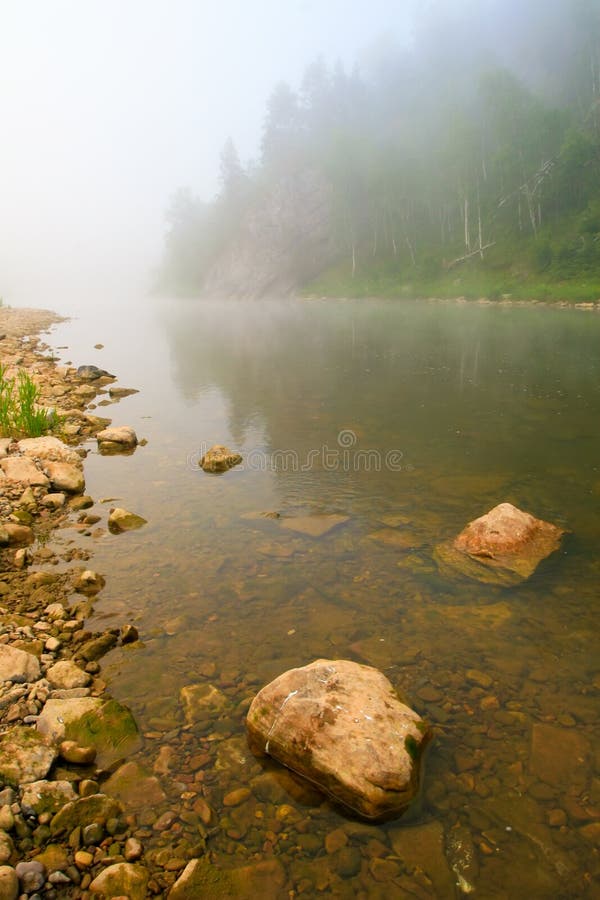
x: 435, y: 153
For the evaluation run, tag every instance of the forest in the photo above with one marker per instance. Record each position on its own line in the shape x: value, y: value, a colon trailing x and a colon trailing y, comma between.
x: 465, y: 161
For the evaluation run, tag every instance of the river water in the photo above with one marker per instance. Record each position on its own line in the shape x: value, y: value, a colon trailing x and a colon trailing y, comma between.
x: 410, y: 419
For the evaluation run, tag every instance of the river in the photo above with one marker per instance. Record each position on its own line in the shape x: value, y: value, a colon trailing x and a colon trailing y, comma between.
x: 411, y: 418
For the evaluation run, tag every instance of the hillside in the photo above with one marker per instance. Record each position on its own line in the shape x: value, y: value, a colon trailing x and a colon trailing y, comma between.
x: 427, y: 172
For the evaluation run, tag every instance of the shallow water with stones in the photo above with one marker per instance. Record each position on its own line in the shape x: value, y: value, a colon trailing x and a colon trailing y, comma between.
x: 410, y: 419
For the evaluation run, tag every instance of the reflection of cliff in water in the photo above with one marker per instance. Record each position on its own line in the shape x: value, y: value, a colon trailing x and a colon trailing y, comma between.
x: 456, y: 389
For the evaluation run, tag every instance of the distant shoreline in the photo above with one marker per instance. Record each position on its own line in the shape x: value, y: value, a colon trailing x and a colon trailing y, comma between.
x: 587, y: 306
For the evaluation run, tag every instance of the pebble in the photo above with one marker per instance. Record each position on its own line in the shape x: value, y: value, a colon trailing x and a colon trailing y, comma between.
x: 234, y: 798
x: 73, y: 753
x: 7, y: 819
x: 556, y: 818
x: 87, y: 787
x: 32, y: 876
x: 9, y: 883
x: 481, y: 679
x: 335, y: 840
x: 92, y: 834
x: 83, y: 859
x: 429, y: 694
x: 203, y: 809
x: 133, y: 849
x: 165, y: 821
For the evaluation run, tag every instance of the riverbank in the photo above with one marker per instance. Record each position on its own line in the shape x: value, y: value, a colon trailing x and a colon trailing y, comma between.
x: 475, y: 281
x: 63, y: 739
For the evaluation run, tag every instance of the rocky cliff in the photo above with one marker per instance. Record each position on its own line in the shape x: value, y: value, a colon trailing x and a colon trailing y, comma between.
x: 284, y: 239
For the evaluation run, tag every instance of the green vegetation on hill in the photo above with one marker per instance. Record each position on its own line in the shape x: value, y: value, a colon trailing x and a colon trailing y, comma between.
x: 454, y: 167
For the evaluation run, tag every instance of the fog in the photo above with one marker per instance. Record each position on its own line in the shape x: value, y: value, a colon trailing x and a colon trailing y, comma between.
x: 107, y: 107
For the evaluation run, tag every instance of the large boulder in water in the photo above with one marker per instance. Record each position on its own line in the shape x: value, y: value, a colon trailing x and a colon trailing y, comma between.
x: 504, y: 546
x: 341, y: 725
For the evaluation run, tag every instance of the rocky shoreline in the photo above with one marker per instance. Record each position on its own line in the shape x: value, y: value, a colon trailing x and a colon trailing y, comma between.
x: 61, y: 734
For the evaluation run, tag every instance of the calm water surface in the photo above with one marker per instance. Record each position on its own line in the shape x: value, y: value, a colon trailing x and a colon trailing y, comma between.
x: 403, y: 416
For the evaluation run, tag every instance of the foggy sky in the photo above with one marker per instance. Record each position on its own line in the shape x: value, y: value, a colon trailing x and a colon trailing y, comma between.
x: 108, y: 106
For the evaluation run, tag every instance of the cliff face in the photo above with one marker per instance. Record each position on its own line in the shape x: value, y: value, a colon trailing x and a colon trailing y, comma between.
x: 282, y: 241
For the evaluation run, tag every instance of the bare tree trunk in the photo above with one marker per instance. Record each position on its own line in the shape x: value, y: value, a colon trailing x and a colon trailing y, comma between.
x: 353, y: 259
x: 479, y: 223
x: 410, y: 249
x: 477, y: 250
x: 466, y: 218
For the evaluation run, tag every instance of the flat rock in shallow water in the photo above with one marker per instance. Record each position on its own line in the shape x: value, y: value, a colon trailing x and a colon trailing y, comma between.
x: 134, y: 787
x: 341, y: 725
x: 422, y: 847
x: 25, y: 756
x: 399, y: 539
x: 202, y: 701
x: 122, y: 520
x: 119, y: 392
x: 96, y: 808
x: 561, y: 757
x: 314, y: 526
x: 201, y: 878
x: 505, y: 546
x: 106, y: 725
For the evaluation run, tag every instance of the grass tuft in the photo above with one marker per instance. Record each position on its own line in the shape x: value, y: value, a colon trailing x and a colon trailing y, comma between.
x: 20, y: 413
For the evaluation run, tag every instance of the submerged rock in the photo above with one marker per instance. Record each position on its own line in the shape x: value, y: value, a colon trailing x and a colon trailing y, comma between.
x: 314, y: 526
x: 117, y: 393
x: 422, y: 847
x: 504, y: 546
x: 96, y: 808
x: 219, y: 459
x: 202, y: 701
x: 341, y: 725
x: 122, y: 520
x: 106, y: 725
x: 134, y: 787
x: 201, y: 878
